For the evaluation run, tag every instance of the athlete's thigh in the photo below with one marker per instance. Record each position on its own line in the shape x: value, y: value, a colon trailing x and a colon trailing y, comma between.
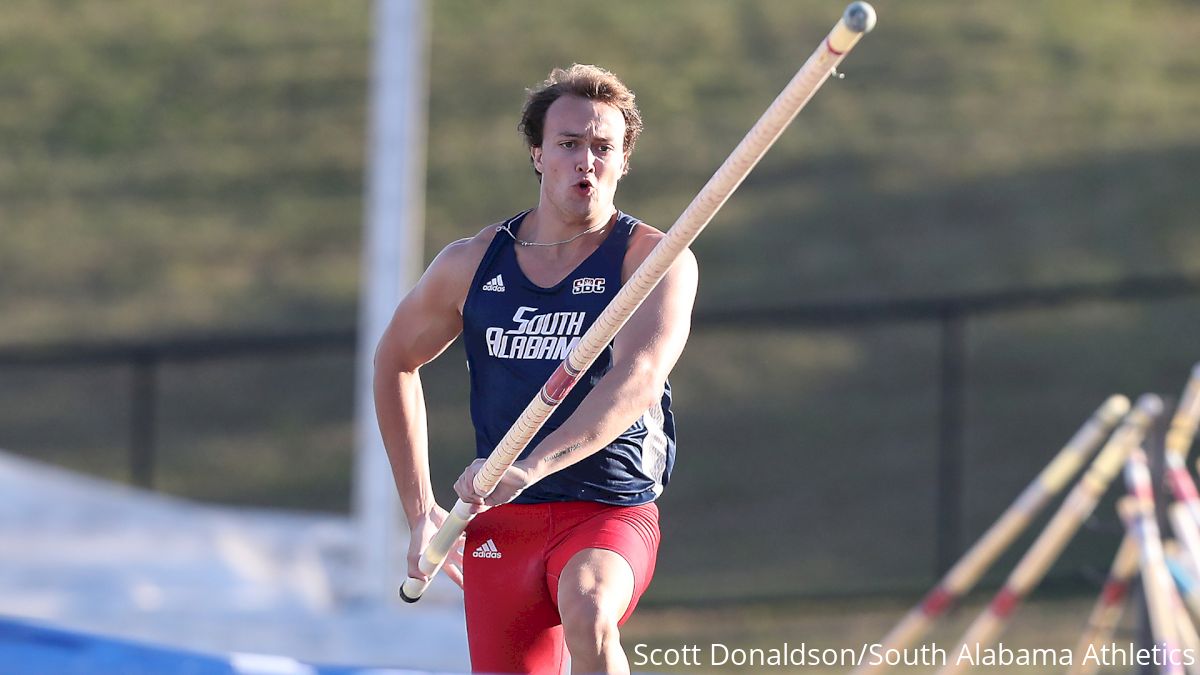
x: 512, y: 622
x: 611, y: 551
x: 596, y: 584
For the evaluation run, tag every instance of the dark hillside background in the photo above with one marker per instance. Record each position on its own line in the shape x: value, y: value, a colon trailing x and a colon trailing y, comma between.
x: 180, y: 169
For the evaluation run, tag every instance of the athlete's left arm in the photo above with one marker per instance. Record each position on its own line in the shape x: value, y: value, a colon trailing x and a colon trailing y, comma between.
x: 644, y: 352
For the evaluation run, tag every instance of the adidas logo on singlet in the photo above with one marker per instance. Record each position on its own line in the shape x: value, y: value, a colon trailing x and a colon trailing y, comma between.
x: 496, y: 285
x: 487, y: 550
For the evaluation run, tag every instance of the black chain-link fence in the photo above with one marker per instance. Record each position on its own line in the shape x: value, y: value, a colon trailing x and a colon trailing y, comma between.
x: 822, y: 450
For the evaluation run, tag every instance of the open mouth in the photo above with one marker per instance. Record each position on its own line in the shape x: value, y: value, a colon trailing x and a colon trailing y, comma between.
x: 584, y: 187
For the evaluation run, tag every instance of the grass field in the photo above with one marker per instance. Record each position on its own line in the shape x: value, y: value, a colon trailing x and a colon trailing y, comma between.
x: 205, y: 163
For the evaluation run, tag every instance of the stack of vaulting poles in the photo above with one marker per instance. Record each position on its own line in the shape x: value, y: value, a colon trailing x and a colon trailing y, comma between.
x: 1169, y: 566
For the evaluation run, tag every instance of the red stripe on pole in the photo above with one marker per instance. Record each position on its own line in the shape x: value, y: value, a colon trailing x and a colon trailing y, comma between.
x: 1142, y: 490
x: 1185, y: 489
x: 1005, y: 602
x: 830, y: 48
x: 1113, y: 592
x: 559, y: 384
x: 936, y: 602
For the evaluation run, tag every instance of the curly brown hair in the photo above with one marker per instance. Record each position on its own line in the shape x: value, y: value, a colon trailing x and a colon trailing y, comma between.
x: 584, y: 81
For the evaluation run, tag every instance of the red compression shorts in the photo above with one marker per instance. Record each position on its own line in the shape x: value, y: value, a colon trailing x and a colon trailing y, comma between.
x: 513, y: 558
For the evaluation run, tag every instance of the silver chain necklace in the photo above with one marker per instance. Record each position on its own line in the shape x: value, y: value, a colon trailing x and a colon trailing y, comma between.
x: 522, y: 242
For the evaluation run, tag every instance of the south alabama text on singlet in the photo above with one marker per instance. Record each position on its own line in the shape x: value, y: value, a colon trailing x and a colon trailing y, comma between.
x: 516, y: 333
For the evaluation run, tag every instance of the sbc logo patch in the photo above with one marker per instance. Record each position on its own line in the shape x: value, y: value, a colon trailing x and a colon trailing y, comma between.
x: 588, y: 285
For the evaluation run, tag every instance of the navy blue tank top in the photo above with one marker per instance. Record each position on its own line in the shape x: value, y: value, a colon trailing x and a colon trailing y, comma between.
x: 516, y: 333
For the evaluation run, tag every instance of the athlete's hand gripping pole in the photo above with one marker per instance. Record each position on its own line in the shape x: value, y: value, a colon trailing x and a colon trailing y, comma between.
x: 858, y: 19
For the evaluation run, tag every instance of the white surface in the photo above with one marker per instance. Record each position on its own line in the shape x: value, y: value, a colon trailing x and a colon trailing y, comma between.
x: 89, y: 555
x: 392, y: 256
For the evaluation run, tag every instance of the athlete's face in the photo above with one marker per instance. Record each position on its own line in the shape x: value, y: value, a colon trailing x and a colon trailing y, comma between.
x: 582, y: 157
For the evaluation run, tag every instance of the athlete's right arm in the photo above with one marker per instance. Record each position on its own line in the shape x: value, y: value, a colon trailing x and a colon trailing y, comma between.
x: 425, y: 322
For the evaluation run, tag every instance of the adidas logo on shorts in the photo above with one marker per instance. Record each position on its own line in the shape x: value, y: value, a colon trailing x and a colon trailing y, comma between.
x: 496, y: 285
x: 487, y: 550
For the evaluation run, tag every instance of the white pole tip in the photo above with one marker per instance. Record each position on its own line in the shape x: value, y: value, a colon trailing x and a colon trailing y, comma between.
x: 859, y: 17
x: 1150, y: 404
x: 1116, y: 405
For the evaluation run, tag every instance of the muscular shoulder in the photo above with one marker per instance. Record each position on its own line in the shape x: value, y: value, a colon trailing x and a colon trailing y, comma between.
x: 642, y: 241
x: 451, y: 271
x: 466, y: 253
